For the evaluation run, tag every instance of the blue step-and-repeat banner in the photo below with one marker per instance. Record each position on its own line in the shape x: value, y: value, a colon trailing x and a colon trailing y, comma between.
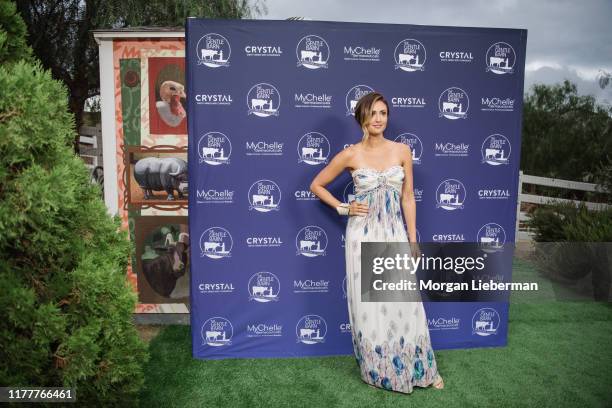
x: 270, y: 103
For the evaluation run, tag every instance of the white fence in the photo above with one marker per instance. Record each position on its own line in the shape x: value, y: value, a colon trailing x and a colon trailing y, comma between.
x: 90, y: 146
x: 523, y: 233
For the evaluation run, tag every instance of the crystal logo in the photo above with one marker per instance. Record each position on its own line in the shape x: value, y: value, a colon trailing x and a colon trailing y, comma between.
x: 264, y: 241
x: 312, y: 52
x: 359, y: 53
x: 450, y: 195
x: 213, y: 99
x: 345, y: 327
x: 348, y: 195
x: 263, y: 51
x: 493, y: 194
x: 214, y: 196
x: 262, y: 148
x: 408, y: 102
x: 311, y: 286
x: 264, y: 196
x: 213, y: 50
x: 216, y: 287
x: 353, y: 95
x: 214, y: 148
x: 447, y: 237
x: 456, y: 56
x: 263, y: 100
x: 311, y: 241
x: 415, y: 144
x: 305, y: 195
x: 443, y: 323
x: 491, y: 237
x: 500, y: 58
x: 311, y: 329
x: 217, y: 331
x: 216, y: 243
x: 496, y: 150
x: 264, y: 330
x: 313, y: 148
x: 495, y: 104
x: 449, y: 149
x: 485, y: 322
x: 410, y: 55
x: 312, y: 100
x: 264, y: 287
x: 453, y: 103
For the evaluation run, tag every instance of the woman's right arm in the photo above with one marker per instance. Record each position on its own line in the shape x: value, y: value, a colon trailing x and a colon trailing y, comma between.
x: 327, y: 175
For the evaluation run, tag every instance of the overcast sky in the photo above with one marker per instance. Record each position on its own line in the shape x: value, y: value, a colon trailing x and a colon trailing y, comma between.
x: 566, y: 38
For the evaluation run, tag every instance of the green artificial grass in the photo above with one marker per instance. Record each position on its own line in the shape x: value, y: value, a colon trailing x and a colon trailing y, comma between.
x: 558, y: 355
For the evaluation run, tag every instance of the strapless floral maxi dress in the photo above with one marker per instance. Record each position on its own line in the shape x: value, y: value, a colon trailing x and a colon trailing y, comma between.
x: 390, y: 339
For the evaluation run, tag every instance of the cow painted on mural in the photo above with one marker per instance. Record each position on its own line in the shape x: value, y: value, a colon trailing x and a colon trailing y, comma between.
x: 163, y: 271
x: 161, y: 174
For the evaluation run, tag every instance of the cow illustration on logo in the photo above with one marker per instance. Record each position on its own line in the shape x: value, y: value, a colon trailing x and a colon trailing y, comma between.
x: 313, y: 148
x: 485, y: 322
x: 450, y: 195
x: 500, y: 58
x: 496, y: 150
x: 311, y: 329
x: 264, y: 196
x: 214, y: 148
x: 217, y: 331
x: 415, y: 144
x: 353, y: 95
x: 453, y: 103
x: 311, y: 241
x: 263, y: 100
x: 216, y: 243
x: 264, y: 287
x: 312, y: 52
x: 213, y: 50
x: 491, y: 237
x: 410, y: 55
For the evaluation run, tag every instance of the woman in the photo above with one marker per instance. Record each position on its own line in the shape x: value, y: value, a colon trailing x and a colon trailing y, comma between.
x: 390, y: 339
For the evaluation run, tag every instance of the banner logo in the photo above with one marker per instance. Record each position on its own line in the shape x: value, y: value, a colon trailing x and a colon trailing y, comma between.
x: 216, y: 243
x: 311, y: 241
x: 312, y: 52
x: 453, y: 103
x: 410, y: 55
x: 450, y: 195
x: 358, y: 53
x: 496, y: 150
x: 311, y: 329
x: 313, y: 148
x: 213, y: 50
x: 442, y: 323
x: 264, y: 330
x: 264, y: 196
x: 214, y: 196
x: 214, y: 148
x: 491, y: 237
x: 415, y: 144
x: 217, y: 331
x: 263, y: 100
x: 353, y: 95
x: 264, y: 287
x: 500, y: 58
x: 485, y: 322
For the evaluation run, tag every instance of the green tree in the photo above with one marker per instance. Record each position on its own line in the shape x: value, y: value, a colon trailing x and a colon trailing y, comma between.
x: 59, y: 32
x: 67, y: 306
x: 564, y: 135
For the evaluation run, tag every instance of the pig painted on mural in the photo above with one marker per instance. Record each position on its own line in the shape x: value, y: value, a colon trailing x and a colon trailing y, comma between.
x: 161, y: 174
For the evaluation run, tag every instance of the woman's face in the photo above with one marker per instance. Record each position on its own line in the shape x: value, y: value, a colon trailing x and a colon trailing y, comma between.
x: 378, y: 121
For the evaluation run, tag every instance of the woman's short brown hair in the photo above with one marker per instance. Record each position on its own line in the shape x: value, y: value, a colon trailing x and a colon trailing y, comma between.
x: 363, y: 110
